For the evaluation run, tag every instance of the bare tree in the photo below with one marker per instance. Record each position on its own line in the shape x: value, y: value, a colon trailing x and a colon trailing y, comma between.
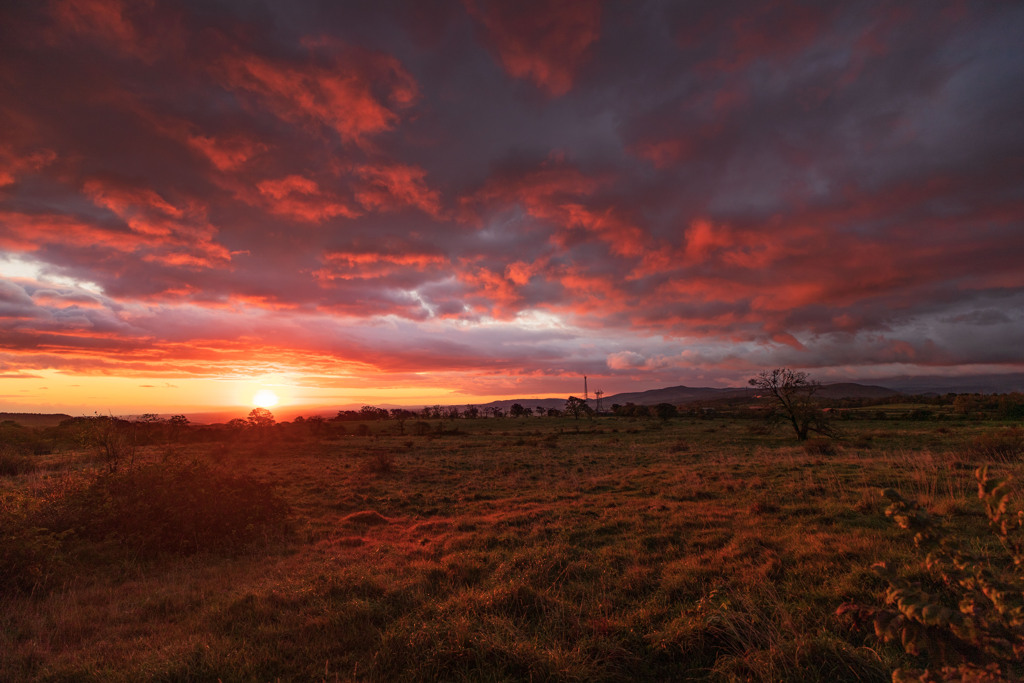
x: 794, y: 400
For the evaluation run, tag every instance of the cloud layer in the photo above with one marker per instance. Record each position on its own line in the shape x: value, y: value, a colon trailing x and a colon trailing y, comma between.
x: 502, y: 195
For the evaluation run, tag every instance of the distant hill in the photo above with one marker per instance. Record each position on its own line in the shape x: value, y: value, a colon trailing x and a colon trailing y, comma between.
x: 971, y: 384
x: 35, y: 419
x: 674, y: 395
x: 682, y: 395
x: 854, y: 390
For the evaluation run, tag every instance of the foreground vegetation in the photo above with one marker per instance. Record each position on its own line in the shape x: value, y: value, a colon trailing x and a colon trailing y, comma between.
x: 537, y: 548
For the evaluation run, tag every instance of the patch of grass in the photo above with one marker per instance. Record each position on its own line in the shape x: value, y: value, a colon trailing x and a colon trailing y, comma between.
x: 1001, y: 445
x: 819, y: 446
x: 611, y: 552
x: 142, y: 512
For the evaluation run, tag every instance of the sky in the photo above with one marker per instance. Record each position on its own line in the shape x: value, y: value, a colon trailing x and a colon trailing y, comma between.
x: 410, y: 202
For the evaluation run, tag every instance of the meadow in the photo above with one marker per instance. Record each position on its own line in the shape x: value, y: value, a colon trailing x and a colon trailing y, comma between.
x: 605, y: 549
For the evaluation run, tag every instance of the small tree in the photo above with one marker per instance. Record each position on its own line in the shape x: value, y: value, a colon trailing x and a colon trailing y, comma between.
x: 576, y: 406
x: 114, y: 439
x: 794, y: 400
x: 665, y: 411
x: 261, y: 418
x: 316, y: 424
x: 517, y: 410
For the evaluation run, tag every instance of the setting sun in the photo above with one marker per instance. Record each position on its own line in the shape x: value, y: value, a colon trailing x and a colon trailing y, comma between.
x: 265, y: 398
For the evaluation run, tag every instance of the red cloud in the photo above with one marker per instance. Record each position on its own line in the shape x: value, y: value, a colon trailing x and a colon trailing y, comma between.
x: 158, y: 231
x: 554, y: 193
x: 545, y: 41
x: 389, y: 187
x: 102, y: 19
x: 357, y: 92
x: 536, y: 188
x: 226, y: 154
x: 177, y: 236
x: 25, y: 232
x: 358, y: 266
x: 302, y: 199
x: 139, y: 28
x: 12, y: 165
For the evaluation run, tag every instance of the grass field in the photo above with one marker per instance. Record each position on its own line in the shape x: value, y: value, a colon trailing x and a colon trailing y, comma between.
x: 502, y: 549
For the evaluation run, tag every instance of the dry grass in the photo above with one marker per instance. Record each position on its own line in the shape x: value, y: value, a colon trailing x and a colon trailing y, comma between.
x: 513, y: 550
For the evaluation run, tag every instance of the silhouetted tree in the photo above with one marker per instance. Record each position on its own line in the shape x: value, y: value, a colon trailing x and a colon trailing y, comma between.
x: 517, y: 410
x: 373, y: 413
x: 576, y: 406
x: 793, y: 393
x: 401, y: 414
x: 261, y: 418
x: 316, y: 424
x: 665, y: 411
x: 177, y: 424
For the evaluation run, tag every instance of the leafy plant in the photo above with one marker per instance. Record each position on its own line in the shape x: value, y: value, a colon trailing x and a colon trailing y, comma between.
x: 967, y: 617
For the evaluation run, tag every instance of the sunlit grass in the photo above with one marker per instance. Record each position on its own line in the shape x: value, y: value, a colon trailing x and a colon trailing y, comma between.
x: 507, y: 549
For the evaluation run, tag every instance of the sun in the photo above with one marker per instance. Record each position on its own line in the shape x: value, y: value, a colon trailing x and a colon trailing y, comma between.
x: 265, y: 398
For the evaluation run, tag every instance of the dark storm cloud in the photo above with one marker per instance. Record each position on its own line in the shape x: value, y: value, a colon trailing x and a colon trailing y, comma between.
x: 822, y: 185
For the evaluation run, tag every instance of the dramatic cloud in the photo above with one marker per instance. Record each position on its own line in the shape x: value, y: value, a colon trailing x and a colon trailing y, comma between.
x: 482, y: 197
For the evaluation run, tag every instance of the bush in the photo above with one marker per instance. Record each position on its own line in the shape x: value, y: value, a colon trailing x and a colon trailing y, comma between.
x: 178, y: 508
x: 32, y: 557
x: 13, y: 463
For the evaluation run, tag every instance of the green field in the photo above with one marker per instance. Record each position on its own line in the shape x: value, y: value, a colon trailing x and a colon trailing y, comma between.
x: 491, y: 549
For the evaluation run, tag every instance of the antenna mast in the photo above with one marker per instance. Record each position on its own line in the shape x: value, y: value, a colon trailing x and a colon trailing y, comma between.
x: 584, y: 388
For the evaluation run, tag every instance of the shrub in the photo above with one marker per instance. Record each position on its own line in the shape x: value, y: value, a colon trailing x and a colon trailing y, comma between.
x: 13, y: 463
x: 32, y: 557
x: 177, y: 508
x: 967, y: 617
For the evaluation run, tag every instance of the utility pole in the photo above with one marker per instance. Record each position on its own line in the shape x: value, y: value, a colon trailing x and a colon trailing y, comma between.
x: 584, y: 389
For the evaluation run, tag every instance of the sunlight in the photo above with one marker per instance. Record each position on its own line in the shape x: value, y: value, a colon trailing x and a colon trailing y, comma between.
x: 265, y: 398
